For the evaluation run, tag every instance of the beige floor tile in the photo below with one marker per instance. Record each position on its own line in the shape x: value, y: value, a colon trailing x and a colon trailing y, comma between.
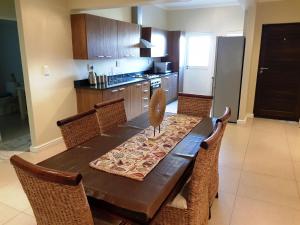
x: 222, y: 209
x: 270, y: 189
x: 269, y: 166
x: 29, y: 211
x: 253, y: 212
x: 229, y: 180
x: 7, y: 213
x: 14, y: 196
x: 7, y: 173
x: 231, y: 159
x: 22, y: 219
x: 36, y: 157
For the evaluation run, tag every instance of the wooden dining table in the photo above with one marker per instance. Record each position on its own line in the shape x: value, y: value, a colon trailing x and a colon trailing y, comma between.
x: 137, y: 201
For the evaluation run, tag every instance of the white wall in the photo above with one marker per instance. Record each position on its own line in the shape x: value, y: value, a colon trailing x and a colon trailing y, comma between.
x: 155, y: 17
x: 122, y: 14
x: 215, y: 21
x: 46, y: 40
x: 219, y: 21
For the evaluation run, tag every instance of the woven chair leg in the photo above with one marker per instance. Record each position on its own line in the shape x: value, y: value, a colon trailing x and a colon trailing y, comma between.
x: 217, y: 195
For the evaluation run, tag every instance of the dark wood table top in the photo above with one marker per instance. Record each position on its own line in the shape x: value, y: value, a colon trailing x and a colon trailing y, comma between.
x: 136, y: 200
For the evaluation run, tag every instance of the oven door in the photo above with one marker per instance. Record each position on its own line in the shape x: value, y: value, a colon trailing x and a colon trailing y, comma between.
x: 153, y: 88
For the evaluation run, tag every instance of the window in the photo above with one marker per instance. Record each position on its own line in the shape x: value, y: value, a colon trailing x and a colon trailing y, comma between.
x: 198, y: 50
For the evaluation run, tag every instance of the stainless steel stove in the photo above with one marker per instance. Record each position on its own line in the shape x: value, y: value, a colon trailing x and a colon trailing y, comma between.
x: 155, y: 81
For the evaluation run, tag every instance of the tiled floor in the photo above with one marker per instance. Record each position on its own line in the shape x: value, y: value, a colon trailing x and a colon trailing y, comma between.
x: 259, y: 178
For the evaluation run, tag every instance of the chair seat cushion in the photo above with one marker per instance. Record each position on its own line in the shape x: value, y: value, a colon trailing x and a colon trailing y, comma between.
x: 180, y: 201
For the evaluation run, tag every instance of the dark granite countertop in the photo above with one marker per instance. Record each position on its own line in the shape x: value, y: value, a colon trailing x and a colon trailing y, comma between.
x: 117, y: 82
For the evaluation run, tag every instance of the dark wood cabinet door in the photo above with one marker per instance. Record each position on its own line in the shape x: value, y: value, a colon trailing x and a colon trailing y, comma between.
x: 128, y: 40
x: 136, y: 99
x: 124, y: 92
x: 107, y: 38
x: 135, y: 36
x: 92, y: 36
x: 278, y: 79
x: 124, y: 35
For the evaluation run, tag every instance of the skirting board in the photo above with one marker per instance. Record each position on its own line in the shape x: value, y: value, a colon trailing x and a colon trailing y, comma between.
x: 51, y: 143
x: 244, y: 121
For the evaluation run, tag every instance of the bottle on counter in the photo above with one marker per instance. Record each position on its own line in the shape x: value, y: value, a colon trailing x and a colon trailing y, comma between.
x: 92, y: 76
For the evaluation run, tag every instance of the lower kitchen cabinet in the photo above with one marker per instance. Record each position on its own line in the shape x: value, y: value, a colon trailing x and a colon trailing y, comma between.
x: 136, y: 98
x: 169, y: 85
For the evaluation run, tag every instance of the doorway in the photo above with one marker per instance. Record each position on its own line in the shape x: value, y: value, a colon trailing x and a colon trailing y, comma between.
x: 198, y: 73
x: 14, y: 126
x: 278, y: 79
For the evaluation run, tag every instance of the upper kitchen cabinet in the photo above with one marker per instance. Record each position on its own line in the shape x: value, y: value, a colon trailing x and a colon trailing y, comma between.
x: 94, y: 37
x: 128, y: 40
x: 158, y: 39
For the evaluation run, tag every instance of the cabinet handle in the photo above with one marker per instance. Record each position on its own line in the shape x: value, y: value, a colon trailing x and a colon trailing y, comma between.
x: 146, y: 106
x: 138, y: 85
x: 146, y: 99
x: 121, y: 89
x: 167, y: 77
x: 108, y: 56
x: 145, y: 91
x: 166, y: 90
x: 114, y: 91
x: 100, y: 56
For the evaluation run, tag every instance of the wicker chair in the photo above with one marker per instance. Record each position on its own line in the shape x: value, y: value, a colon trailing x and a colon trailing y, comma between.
x: 194, y: 105
x: 214, y: 182
x: 111, y: 114
x: 79, y: 128
x: 57, y: 198
x: 191, y: 205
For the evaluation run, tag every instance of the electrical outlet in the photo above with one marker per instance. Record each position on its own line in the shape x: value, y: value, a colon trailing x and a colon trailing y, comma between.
x: 46, y: 71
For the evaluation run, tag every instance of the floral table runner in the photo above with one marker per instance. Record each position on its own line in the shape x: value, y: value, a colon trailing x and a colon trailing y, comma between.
x: 136, y: 157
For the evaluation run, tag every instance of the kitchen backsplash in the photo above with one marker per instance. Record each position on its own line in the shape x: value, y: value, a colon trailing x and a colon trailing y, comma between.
x: 113, y: 66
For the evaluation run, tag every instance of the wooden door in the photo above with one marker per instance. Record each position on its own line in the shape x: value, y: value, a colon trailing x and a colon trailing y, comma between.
x: 136, y: 99
x: 278, y: 80
x: 92, y: 36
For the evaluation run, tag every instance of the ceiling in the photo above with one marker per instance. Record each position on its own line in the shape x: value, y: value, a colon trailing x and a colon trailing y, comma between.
x: 187, y: 4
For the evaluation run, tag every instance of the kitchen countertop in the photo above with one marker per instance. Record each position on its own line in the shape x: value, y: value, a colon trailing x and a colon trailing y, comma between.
x: 84, y: 84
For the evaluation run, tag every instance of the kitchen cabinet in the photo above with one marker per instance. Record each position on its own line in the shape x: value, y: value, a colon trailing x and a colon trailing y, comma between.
x: 145, y: 96
x: 119, y: 92
x: 128, y: 40
x: 176, y: 54
x: 94, y: 37
x: 86, y: 99
x: 169, y: 85
x: 136, y: 98
x: 158, y: 38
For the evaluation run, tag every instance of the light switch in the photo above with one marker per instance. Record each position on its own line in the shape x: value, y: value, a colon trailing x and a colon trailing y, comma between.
x: 46, y: 71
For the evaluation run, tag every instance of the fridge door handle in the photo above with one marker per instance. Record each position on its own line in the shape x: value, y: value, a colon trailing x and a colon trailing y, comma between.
x: 213, y: 86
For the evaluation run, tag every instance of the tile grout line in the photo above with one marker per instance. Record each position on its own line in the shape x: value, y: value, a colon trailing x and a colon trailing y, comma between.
x: 294, y: 168
x: 239, y: 180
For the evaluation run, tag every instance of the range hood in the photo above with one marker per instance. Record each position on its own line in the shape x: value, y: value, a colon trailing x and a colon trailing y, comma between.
x: 145, y: 44
x: 137, y: 18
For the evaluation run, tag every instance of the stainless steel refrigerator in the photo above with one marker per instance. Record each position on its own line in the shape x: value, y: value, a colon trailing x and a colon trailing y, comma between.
x: 228, y: 75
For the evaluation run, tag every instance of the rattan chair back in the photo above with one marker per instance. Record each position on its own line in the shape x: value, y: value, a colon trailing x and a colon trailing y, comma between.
x: 55, y: 197
x: 79, y: 128
x: 111, y: 114
x: 214, y: 182
x: 194, y: 105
